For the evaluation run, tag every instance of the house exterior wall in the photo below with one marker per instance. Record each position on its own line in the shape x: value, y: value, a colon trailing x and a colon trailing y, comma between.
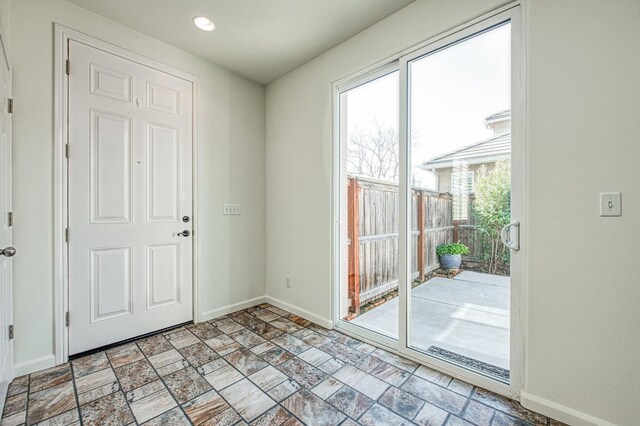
x: 444, y: 175
x: 501, y: 127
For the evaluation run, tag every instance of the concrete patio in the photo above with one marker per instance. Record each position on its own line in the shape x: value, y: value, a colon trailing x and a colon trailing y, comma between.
x: 467, y: 314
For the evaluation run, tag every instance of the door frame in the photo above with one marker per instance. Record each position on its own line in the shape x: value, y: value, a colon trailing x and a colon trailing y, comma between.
x: 62, y: 35
x: 7, y: 62
x: 516, y: 13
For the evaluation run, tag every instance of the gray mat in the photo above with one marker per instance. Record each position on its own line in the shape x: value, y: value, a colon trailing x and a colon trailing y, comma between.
x: 497, y: 373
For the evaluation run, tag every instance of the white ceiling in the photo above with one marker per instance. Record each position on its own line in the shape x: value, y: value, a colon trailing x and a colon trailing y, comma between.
x: 258, y: 39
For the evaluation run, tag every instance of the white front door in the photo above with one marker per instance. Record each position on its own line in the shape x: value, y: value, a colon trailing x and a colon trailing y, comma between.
x: 130, y: 199
x: 6, y: 296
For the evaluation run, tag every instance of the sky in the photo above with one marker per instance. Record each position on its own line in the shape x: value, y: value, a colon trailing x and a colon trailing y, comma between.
x: 451, y: 92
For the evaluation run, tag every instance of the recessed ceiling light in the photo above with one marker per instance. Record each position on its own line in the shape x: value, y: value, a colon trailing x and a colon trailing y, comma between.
x: 203, y: 23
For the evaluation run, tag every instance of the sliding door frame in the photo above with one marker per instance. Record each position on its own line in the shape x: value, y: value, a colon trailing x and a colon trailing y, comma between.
x: 370, y: 74
x: 517, y: 202
x: 513, y: 13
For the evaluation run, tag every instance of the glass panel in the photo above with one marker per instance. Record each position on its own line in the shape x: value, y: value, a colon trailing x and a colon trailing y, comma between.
x: 369, y: 205
x: 460, y: 142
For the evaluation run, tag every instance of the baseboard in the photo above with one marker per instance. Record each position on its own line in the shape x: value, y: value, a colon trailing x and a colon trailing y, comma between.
x: 28, y: 367
x: 326, y: 323
x: 559, y: 412
x: 206, y: 316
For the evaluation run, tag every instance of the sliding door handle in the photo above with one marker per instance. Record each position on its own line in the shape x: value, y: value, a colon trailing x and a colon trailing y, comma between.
x: 510, y: 238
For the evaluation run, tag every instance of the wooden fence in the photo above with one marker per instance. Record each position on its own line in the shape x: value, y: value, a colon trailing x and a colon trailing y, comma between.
x: 373, y: 210
x: 373, y: 230
x: 466, y: 232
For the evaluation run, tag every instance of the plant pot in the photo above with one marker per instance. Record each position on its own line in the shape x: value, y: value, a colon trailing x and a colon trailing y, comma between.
x: 450, y: 261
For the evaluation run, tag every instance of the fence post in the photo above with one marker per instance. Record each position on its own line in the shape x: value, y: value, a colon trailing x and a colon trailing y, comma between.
x: 456, y: 231
x: 353, y: 219
x: 421, y: 224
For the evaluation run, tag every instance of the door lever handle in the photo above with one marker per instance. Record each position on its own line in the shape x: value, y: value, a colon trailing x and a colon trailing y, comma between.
x: 8, y: 251
x: 184, y: 233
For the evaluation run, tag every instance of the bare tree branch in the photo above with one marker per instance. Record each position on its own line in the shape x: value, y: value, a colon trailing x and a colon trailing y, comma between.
x: 374, y: 152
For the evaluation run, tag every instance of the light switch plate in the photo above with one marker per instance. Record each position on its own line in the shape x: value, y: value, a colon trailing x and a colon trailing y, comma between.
x: 232, y: 210
x: 610, y: 204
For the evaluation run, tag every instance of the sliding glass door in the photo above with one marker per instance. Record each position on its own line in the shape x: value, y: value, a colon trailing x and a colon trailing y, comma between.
x: 428, y: 191
x: 459, y: 141
x: 369, y: 208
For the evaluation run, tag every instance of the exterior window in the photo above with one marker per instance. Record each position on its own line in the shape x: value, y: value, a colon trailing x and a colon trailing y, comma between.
x: 462, y: 181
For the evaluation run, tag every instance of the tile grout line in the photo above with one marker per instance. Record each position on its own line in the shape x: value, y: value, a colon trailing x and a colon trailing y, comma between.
x: 75, y: 391
x: 464, y: 408
x: 493, y: 416
x: 26, y: 411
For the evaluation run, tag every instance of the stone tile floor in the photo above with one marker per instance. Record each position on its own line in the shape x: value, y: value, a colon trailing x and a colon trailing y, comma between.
x: 260, y: 366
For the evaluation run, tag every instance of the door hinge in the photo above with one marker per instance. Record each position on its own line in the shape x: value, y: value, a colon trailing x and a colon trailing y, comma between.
x: 66, y: 235
x: 10, y: 219
x: 67, y: 150
x: 67, y: 319
x: 11, y: 332
x: 10, y: 105
x: 68, y: 67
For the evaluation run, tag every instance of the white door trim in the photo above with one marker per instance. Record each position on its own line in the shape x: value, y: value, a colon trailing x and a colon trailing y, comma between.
x: 5, y: 57
x: 515, y: 11
x: 60, y: 199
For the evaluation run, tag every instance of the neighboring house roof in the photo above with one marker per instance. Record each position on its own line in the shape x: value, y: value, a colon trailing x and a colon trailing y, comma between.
x: 487, y: 151
x: 498, y: 116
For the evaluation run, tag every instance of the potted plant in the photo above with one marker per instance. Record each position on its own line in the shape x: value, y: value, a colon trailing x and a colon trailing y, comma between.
x: 451, y: 255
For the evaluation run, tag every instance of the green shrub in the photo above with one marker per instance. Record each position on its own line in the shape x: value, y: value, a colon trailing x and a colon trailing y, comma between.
x: 492, y: 210
x: 453, y: 248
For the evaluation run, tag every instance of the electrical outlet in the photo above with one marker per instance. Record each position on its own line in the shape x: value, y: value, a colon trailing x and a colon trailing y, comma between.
x: 287, y: 282
x: 232, y: 209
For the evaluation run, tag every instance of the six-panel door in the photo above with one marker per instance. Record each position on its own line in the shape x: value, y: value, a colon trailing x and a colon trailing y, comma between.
x: 130, y: 185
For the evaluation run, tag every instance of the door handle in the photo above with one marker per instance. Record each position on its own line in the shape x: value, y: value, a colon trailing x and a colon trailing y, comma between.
x: 511, y: 239
x: 184, y: 233
x: 8, y: 251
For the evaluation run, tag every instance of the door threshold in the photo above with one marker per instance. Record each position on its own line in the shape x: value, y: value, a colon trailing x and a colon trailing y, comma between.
x: 124, y: 342
x: 489, y: 370
x: 457, y: 371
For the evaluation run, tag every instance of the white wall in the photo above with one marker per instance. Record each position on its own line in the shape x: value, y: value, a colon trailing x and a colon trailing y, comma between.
x: 584, y: 138
x: 584, y: 126
x: 231, y: 168
x: 5, y: 21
